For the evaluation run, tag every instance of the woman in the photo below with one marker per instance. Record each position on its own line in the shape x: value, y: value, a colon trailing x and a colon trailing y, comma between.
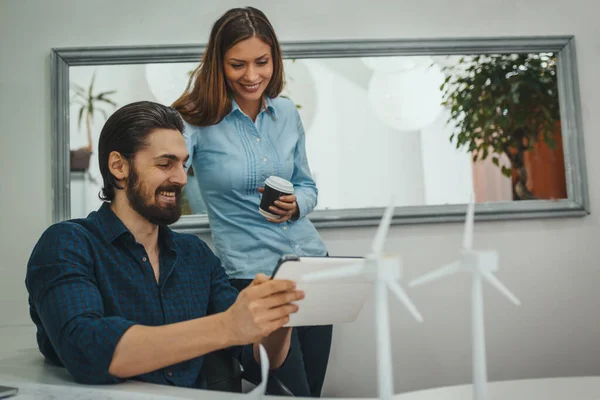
x: 239, y: 132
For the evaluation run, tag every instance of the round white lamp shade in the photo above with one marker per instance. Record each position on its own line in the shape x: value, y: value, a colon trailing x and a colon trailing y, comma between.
x: 407, y: 101
x: 167, y: 81
x: 396, y: 63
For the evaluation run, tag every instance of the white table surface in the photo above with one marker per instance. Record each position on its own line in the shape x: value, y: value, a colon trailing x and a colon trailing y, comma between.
x: 22, y: 364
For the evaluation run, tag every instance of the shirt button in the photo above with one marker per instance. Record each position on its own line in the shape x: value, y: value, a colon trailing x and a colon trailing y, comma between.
x: 258, y: 139
x: 170, y: 373
x: 265, y: 159
x: 285, y: 228
x: 144, y: 259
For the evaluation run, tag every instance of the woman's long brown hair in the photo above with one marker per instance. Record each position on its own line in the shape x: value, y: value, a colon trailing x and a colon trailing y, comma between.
x: 206, y: 100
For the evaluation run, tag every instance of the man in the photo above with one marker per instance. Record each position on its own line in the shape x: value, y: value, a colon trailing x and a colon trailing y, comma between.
x: 119, y: 295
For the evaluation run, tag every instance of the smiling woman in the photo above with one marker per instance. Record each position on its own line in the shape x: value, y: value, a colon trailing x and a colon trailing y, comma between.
x: 240, y: 132
x: 248, y: 76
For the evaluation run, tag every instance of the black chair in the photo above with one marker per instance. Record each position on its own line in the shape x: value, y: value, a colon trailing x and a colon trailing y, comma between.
x: 224, y: 373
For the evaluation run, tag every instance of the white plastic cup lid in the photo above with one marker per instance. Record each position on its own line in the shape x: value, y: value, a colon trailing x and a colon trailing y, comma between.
x: 280, y: 184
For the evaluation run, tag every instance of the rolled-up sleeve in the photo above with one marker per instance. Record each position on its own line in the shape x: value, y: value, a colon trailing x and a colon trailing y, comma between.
x: 64, y: 294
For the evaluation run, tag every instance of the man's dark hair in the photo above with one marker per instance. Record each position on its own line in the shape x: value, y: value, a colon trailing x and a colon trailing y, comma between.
x: 127, y: 131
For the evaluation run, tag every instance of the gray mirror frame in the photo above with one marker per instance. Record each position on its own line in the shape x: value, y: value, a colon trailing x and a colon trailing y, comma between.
x: 576, y: 205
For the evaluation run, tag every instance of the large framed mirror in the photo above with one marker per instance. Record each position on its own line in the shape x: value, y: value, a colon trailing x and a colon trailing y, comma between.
x: 425, y: 122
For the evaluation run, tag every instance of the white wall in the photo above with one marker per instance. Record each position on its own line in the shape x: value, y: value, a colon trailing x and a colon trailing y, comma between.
x: 551, y: 264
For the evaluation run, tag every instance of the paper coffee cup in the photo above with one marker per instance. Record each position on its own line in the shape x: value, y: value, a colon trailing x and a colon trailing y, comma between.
x: 275, y: 187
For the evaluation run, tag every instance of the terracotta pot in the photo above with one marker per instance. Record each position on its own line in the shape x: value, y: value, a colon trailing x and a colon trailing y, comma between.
x: 80, y: 159
x: 546, y: 168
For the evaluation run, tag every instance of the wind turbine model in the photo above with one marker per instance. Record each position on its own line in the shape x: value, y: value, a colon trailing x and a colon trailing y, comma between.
x: 384, y: 271
x: 258, y: 393
x: 481, y: 264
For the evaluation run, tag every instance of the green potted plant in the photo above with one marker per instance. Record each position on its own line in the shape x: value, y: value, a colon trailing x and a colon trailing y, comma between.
x: 504, y: 104
x: 90, y: 103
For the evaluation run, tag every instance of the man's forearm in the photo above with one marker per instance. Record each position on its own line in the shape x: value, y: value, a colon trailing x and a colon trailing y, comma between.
x: 277, y: 345
x: 144, y: 349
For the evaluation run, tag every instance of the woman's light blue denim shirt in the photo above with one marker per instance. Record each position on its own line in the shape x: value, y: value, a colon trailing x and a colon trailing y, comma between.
x: 231, y: 161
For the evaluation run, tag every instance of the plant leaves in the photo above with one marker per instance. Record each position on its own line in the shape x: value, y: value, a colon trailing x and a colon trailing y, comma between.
x: 81, y: 110
x: 501, y: 101
x: 90, y: 102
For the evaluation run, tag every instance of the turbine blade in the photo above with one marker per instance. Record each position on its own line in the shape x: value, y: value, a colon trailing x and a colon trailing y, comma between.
x: 491, y: 278
x: 436, y: 274
x: 382, y: 230
x: 334, y: 273
x: 469, y: 220
x: 403, y: 297
x: 259, y: 391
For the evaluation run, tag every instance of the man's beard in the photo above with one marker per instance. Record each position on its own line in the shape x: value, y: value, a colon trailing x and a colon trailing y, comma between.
x: 153, y: 212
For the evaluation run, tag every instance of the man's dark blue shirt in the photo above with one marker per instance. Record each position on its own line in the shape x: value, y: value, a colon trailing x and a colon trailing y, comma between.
x: 89, y: 281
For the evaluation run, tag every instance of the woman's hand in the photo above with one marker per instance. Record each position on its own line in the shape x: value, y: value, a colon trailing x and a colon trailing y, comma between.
x: 286, y: 207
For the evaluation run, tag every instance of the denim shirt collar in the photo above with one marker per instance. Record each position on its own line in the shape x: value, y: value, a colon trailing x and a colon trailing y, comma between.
x: 267, y: 106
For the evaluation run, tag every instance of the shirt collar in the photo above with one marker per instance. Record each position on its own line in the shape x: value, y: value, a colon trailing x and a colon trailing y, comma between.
x: 113, y: 228
x: 267, y: 105
x: 110, y: 225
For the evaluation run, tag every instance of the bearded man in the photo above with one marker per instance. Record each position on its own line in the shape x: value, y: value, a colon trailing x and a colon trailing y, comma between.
x: 119, y: 295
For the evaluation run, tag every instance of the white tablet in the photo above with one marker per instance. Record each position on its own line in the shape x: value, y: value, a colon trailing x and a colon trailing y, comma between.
x: 326, y: 302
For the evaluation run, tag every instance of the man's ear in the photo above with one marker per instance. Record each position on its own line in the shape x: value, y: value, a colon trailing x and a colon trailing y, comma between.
x: 118, y: 166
